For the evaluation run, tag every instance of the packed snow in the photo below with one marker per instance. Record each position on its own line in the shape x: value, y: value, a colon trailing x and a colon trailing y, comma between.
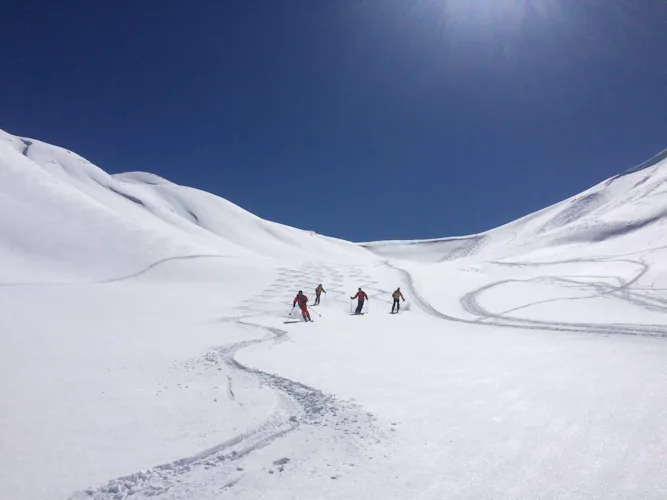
x: 150, y: 349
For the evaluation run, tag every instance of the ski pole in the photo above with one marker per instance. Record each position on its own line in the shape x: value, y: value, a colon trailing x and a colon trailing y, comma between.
x: 311, y: 309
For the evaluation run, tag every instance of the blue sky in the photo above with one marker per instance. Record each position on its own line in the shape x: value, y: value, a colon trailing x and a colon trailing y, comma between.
x: 359, y: 119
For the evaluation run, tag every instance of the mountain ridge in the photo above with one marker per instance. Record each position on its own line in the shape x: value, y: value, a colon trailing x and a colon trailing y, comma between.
x: 138, y: 218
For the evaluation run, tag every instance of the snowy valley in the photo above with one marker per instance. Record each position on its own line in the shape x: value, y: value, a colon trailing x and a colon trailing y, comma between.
x: 149, y: 348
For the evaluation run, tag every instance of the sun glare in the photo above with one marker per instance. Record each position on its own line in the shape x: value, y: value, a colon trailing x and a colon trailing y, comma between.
x: 500, y: 14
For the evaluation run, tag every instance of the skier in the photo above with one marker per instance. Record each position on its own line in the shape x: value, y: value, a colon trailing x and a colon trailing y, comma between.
x: 361, y: 297
x: 318, y: 292
x: 397, y: 295
x: 302, y: 300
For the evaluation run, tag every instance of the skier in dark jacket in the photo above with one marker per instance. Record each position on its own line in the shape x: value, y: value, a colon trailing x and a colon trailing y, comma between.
x: 361, y: 297
x: 318, y: 292
x: 397, y: 296
x: 302, y: 300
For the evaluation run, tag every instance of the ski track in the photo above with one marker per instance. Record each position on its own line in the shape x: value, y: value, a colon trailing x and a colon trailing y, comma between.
x: 136, y: 274
x: 474, y: 245
x: 623, y: 291
x: 299, y: 403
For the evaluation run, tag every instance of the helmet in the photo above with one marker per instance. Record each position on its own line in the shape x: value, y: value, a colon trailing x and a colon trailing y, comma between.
x: 300, y: 292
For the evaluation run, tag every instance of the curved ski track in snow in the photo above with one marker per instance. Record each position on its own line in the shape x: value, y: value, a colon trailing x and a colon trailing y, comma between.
x: 135, y: 274
x: 162, y: 478
x: 623, y: 291
x: 300, y: 404
x: 158, y: 263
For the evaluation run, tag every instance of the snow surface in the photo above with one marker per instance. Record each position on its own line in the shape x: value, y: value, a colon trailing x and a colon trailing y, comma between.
x: 148, y: 351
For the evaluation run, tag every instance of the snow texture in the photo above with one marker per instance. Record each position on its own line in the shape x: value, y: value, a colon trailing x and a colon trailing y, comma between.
x: 149, y: 348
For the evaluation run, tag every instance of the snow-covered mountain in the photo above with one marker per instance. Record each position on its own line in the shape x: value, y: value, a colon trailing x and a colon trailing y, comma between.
x: 72, y: 220
x: 623, y: 211
x: 139, y: 218
x: 149, y: 347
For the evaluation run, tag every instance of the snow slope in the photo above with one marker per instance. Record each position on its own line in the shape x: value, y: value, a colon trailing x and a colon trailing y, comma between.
x: 625, y: 207
x: 72, y: 221
x: 148, y: 348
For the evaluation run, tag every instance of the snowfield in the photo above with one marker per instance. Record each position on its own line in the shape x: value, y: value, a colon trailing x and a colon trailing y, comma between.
x: 148, y: 348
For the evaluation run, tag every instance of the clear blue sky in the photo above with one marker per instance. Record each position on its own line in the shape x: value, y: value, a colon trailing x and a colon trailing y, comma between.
x: 363, y: 119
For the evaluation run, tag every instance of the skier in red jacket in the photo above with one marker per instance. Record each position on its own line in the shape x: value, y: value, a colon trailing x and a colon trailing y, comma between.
x: 302, y: 300
x: 361, y: 297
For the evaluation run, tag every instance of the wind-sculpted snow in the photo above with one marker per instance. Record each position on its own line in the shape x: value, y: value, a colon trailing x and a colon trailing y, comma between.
x: 651, y: 162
